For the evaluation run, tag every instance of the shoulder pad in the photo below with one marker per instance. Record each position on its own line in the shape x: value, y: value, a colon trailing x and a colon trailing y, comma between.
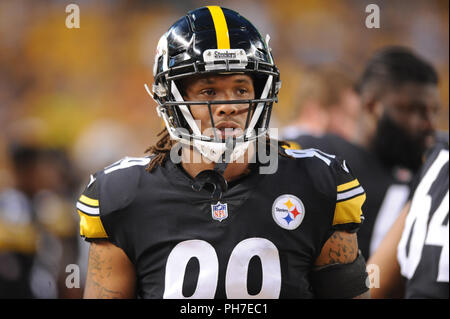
x: 118, y: 183
x: 108, y: 190
x: 309, y: 153
x: 350, y: 195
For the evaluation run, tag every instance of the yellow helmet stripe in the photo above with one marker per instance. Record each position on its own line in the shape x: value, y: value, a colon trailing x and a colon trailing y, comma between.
x: 220, y: 24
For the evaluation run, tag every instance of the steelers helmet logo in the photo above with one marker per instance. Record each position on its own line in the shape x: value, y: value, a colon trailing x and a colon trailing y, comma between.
x: 288, y: 211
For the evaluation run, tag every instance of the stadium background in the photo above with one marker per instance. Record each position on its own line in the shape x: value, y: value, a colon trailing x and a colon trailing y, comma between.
x: 82, y: 90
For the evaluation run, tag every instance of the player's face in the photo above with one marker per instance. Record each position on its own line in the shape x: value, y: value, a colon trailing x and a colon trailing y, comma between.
x: 345, y: 116
x: 406, y: 128
x: 229, y: 119
x: 414, y: 108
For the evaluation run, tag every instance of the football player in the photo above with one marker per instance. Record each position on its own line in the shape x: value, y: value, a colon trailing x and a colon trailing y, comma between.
x: 198, y: 218
x: 326, y: 101
x: 35, y: 217
x: 400, y: 102
x: 413, y: 257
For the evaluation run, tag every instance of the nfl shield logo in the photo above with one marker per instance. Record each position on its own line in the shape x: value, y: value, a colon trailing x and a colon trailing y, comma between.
x: 219, y: 211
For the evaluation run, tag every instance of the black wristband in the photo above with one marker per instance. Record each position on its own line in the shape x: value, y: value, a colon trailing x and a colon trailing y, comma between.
x: 340, y: 281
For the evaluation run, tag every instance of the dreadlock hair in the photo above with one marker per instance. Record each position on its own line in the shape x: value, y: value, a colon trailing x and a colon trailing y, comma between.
x: 162, y: 148
x: 159, y: 150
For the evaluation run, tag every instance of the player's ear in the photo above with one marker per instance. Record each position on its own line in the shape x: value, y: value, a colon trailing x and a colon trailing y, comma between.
x: 372, y: 106
x: 376, y: 108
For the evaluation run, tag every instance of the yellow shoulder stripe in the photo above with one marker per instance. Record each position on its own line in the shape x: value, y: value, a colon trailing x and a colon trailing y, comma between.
x: 349, y: 211
x: 344, y: 187
x: 220, y: 24
x: 91, y: 226
x: 292, y: 146
x: 88, y: 201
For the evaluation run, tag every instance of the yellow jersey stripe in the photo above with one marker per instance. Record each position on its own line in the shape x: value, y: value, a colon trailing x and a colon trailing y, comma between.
x: 220, y: 24
x: 88, y: 201
x: 344, y: 187
x: 91, y: 226
x: 349, y: 211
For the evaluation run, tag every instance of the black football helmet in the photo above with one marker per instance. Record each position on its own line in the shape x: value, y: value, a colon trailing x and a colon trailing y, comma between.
x: 213, y: 40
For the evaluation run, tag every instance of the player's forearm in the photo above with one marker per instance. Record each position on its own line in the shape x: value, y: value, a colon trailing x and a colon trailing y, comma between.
x: 98, y: 290
x: 340, y: 270
x: 385, y: 258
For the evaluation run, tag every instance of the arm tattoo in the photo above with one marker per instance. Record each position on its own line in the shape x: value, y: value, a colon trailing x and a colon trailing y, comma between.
x: 99, y: 272
x: 342, y: 249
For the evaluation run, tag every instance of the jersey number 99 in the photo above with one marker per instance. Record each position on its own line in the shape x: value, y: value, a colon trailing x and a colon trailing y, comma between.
x: 236, y: 271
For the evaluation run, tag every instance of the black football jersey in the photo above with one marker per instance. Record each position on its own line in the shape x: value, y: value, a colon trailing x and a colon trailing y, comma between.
x: 387, y: 190
x: 260, y: 240
x: 423, y: 248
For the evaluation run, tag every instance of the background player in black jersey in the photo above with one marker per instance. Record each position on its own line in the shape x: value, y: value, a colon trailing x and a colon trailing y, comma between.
x: 413, y: 257
x: 219, y: 227
x: 400, y: 103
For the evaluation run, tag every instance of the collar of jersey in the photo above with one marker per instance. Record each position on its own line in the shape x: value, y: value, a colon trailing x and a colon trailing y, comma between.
x: 180, y: 178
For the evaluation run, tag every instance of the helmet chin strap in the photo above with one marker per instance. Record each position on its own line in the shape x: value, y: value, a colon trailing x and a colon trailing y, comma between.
x: 215, y: 176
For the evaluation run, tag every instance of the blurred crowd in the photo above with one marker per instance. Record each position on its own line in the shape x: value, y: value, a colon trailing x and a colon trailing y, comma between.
x: 72, y: 101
